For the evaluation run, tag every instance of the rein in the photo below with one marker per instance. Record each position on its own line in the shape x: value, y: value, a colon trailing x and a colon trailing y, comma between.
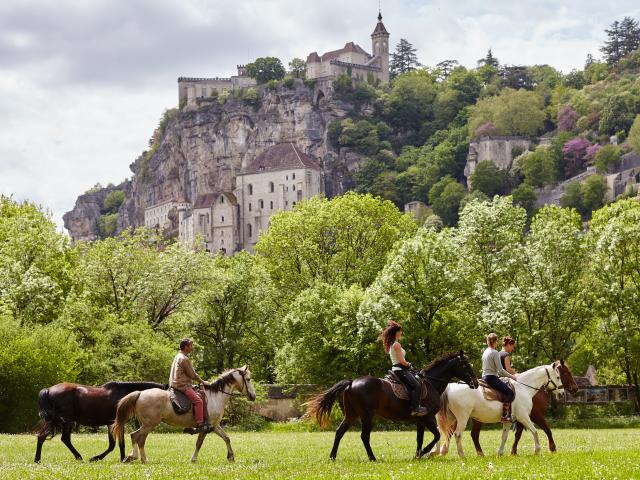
x: 244, y: 387
x: 545, y: 387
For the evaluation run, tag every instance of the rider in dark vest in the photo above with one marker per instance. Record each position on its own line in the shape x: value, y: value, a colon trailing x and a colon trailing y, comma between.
x: 508, y: 346
x: 390, y: 337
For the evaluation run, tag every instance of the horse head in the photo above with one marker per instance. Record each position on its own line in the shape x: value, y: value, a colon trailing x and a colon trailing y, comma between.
x: 464, y: 370
x: 566, y: 377
x: 242, y: 377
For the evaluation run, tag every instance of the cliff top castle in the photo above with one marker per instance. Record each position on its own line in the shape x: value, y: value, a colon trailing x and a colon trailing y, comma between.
x: 351, y: 58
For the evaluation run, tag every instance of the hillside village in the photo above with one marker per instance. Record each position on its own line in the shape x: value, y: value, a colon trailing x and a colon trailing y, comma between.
x: 428, y: 139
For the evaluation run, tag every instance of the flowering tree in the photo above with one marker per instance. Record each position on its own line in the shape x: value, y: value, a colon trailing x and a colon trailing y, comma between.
x: 575, y: 151
x: 486, y: 130
x: 567, y: 119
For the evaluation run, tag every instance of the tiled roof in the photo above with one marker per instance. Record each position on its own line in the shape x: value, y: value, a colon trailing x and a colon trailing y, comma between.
x: 313, y: 57
x: 348, y: 47
x: 380, y: 27
x: 206, y: 200
x: 281, y: 156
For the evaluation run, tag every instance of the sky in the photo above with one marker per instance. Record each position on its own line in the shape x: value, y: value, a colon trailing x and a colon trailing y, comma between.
x: 83, y: 83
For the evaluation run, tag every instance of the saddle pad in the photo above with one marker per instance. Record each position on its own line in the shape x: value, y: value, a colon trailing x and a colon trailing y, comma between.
x: 179, y: 401
x: 491, y: 394
x: 401, y: 392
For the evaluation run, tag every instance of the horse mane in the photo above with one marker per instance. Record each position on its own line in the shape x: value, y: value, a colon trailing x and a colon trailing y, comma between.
x: 440, y: 360
x: 223, y: 380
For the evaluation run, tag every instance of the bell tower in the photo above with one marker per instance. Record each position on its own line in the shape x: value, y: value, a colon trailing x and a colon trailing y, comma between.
x: 380, y: 47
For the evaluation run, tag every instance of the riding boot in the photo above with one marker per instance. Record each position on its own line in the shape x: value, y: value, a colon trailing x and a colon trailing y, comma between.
x: 416, y: 409
x: 506, y: 412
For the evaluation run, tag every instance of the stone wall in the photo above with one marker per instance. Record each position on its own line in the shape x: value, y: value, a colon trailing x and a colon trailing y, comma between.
x: 499, y: 150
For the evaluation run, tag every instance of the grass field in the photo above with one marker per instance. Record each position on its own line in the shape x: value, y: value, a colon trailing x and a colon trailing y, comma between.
x: 582, y: 454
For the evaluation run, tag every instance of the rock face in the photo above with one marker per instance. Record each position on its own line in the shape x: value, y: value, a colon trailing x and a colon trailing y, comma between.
x: 499, y: 150
x: 202, y: 149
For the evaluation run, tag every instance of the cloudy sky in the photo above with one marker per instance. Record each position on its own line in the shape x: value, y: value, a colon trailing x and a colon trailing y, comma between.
x: 84, y: 82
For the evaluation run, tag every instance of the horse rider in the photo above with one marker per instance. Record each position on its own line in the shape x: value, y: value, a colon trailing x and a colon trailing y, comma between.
x: 182, y: 377
x: 390, y: 338
x: 492, y: 370
x: 508, y: 346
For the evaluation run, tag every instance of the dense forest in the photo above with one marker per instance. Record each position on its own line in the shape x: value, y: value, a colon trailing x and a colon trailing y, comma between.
x: 328, y: 275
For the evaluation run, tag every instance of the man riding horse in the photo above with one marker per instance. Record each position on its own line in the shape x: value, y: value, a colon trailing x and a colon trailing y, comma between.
x: 182, y: 377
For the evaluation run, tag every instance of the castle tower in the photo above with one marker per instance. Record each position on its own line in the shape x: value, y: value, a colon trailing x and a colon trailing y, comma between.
x: 380, y: 47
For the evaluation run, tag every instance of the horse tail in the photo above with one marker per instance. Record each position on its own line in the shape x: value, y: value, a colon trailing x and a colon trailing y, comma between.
x: 49, y: 421
x: 320, y: 406
x: 126, y: 409
x: 446, y: 424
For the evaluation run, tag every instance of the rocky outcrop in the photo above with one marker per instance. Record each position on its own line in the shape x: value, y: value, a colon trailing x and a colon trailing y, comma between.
x: 499, y: 150
x: 203, y: 147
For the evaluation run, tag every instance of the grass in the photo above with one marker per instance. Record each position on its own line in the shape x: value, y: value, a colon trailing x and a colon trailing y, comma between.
x: 582, y: 454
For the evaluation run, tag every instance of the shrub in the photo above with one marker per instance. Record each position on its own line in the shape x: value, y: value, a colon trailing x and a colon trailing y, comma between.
x: 607, y: 158
x: 112, y: 201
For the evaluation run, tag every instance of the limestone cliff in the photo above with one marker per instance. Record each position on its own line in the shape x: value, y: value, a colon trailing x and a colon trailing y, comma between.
x: 201, y: 149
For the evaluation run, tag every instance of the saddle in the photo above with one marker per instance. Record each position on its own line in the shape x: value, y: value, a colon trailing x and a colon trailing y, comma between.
x: 182, y: 404
x: 490, y: 394
x: 400, y: 390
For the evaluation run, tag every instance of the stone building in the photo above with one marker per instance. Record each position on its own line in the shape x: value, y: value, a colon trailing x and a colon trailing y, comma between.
x: 353, y: 58
x: 191, y: 88
x: 227, y: 222
x: 500, y: 150
x: 275, y: 180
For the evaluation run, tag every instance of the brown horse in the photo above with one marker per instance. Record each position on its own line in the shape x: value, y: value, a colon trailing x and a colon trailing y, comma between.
x: 367, y: 396
x: 65, y: 404
x: 540, y: 403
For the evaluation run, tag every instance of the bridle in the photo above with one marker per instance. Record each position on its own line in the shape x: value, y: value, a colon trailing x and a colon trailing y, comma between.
x: 243, y: 390
x: 550, y: 381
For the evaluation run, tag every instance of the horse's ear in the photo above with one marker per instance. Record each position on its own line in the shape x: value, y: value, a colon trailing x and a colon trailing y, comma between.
x: 244, y: 368
x: 562, y: 362
x: 461, y: 353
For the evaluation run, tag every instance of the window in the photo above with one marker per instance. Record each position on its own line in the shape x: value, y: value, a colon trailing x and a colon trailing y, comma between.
x: 249, y: 206
x: 221, y: 199
x: 293, y: 176
x: 294, y: 187
x: 204, y: 91
x: 271, y: 204
x: 272, y: 187
x: 287, y: 189
x: 294, y: 204
x: 249, y: 230
x: 222, y: 218
x: 250, y: 189
x: 260, y: 203
x: 287, y: 177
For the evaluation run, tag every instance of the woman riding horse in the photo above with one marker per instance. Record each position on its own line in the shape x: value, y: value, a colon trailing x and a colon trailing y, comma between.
x: 390, y: 337
x: 492, y: 370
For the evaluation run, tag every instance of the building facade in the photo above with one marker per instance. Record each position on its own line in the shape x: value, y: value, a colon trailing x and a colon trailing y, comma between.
x: 354, y: 59
x: 227, y: 222
x: 192, y: 88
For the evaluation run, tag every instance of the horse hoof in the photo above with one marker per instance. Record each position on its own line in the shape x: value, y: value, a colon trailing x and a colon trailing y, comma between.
x: 231, y: 458
x: 94, y: 459
x: 480, y: 454
x: 129, y: 459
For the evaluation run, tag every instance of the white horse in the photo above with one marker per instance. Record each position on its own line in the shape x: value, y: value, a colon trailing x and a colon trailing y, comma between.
x: 151, y: 407
x: 459, y: 402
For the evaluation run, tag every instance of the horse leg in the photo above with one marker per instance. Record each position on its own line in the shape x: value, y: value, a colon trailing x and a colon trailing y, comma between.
x: 365, y: 435
x: 431, y: 424
x: 476, y: 426
x: 143, y: 433
x: 121, y: 446
x: 201, y: 436
x: 419, y: 437
x: 514, y: 447
x: 505, y: 435
x: 134, y: 447
x: 112, y: 445
x: 223, y: 435
x: 41, y: 438
x: 542, y: 423
x: 66, y: 439
x: 462, y: 423
x: 340, y: 431
x: 526, y: 421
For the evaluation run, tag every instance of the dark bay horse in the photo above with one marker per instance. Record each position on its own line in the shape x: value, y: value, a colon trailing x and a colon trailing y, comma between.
x: 65, y: 404
x: 367, y: 396
x: 538, y: 411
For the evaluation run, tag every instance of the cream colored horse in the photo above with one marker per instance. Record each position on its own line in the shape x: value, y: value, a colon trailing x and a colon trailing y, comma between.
x: 459, y: 402
x: 151, y: 407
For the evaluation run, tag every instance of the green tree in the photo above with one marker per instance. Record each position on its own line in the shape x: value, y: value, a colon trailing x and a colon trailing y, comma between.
x: 539, y: 167
x: 513, y: 112
x: 264, y: 69
x: 489, y: 179
x: 298, y: 68
x: 634, y: 135
x: 585, y: 196
x: 445, y: 197
x: 233, y: 315
x: 419, y: 286
x: 112, y: 201
x: 525, y: 196
x: 616, y: 115
x: 403, y: 59
x: 553, y: 287
x: 608, y: 158
x: 344, y: 240
x: 614, y: 236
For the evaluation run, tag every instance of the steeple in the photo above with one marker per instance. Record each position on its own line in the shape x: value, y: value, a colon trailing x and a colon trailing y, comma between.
x: 380, y: 46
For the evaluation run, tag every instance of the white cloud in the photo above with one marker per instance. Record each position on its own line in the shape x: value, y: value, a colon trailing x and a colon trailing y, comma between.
x: 83, y: 84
